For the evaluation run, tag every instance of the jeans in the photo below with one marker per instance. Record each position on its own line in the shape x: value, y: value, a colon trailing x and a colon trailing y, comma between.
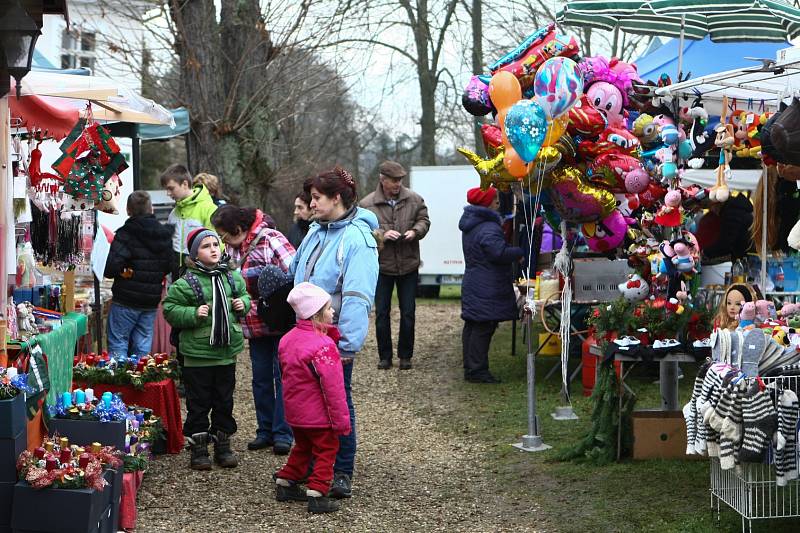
x: 346, y: 457
x: 268, y: 390
x: 476, y: 338
x: 209, y: 389
x: 130, y: 331
x: 406, y: 294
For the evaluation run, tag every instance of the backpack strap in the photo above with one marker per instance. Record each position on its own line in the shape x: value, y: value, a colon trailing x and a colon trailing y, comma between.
x: 194, y: 283
x: 234, y: 290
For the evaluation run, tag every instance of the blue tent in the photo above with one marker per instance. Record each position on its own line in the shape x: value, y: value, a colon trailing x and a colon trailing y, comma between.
x: 703, y: 57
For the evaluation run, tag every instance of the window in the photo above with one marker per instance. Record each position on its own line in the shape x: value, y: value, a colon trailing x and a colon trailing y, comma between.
x: 78, y: 49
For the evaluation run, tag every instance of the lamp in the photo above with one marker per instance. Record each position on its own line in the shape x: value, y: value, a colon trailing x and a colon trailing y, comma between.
x: 18, y: 34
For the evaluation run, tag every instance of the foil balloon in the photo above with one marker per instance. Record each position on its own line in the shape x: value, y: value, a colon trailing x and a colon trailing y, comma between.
x: 491, y: 170
x: 558, y: 85
x: 526, y: 128
x: 492, y: 139
x: 555, y: 130
x: 652, y: 194
x: 548, y: 158
x: 576, y: 200
x: 607, y: 234
x: 619, y: 173
x: 524, y: 60
x: 475, y: 98
x: 585, y: 120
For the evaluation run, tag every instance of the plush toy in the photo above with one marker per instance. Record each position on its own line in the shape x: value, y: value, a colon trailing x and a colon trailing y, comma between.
x: 765, y: 311
x: 26, y: 323
x: 635, y: 289
x: 724, y: 141
x: 674, y: 305
x: 683, y: 260
x: 111, y: 193
x: 747, y: 315
x: 669, y: 215
x: 645, y: 130
x: 789, y: 309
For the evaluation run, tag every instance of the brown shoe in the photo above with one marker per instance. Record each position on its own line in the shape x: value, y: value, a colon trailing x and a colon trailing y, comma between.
x: 405, y: 364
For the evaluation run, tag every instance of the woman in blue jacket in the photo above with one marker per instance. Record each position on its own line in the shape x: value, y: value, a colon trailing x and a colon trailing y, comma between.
x: 487, y: 292
x: 340, y: 255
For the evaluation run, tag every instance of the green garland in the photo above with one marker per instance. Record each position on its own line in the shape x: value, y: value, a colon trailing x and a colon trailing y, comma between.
x: 135, y: 463
x: 600, y: 444
x: 93, y: 375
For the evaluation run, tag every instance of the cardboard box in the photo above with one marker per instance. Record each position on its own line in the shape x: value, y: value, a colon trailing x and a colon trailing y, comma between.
x: 71, y: 510
x: 85, y: 432
x: 12, y: 417
x: 659, y: 435
x: 9, y: 451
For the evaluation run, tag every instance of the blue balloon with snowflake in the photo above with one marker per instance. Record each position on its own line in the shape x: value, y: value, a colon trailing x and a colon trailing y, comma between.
x: 526, y: 128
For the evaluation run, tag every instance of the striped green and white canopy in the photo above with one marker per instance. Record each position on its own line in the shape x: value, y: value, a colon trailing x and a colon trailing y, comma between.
x: 722, y: 20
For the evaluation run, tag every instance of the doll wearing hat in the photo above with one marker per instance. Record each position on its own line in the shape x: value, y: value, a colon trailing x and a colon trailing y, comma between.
x: 730, y: 307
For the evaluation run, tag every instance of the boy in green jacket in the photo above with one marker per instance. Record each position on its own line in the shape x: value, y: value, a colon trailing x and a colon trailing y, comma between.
x: 205, y: 305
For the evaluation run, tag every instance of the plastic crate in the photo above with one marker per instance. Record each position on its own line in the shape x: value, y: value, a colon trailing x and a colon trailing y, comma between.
x: 596, y: 280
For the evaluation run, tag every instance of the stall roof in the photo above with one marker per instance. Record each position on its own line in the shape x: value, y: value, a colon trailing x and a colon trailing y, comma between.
x: 696, y: 54
x: 761, y: 82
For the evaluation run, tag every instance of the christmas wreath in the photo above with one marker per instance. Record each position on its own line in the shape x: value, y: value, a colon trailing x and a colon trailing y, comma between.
x: 58, y: 465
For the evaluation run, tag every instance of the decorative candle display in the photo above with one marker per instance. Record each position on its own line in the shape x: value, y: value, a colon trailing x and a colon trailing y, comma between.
x: 67, y: 399
x: 39, y: 452
x: 80, y: 397
x: 106, y: 409
x: 89, y: 395
x: 66, y: 466
x: 13, y: 382
x: 91, y: 369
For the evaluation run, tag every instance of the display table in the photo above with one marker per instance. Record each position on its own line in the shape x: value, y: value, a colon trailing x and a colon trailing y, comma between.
x: 59, y: 346
x: 161, y: 397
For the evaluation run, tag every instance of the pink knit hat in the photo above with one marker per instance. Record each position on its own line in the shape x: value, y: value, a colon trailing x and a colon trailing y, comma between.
x: 307, y: 299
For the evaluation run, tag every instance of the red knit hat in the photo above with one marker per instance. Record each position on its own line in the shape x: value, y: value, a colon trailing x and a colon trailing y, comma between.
x: 476, y: 196
x: 195, y: 238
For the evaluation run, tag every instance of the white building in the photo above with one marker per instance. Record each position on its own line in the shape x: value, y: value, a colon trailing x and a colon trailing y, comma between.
x: 104, y: 36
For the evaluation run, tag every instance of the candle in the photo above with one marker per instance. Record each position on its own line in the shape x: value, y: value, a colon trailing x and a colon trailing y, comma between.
x: 107, y: 399
x: 39, y: 452
x: 140, y: 418
x: 66, y: 456
x: 64, y: 443
x: 89, y: 395
x: 51, y: 464
x: 96, y: 447
x: 134, y: 439
x: 83, y: 460
x: 11, y: 372
x: 80, y: 396
x: 67, y: 399
x: 48, y: 446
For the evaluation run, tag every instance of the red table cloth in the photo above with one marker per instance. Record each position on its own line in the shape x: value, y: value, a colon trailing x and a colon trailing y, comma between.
x: 131, y: 481
x: 161, y: 397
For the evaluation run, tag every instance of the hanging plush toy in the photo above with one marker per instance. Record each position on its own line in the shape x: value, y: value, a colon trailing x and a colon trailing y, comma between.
x: 724, y: 141
x: 608, y: 84
x: 635, y: 289
x: 35, y: 168
x: 683, y: 260
x: 111, y: 193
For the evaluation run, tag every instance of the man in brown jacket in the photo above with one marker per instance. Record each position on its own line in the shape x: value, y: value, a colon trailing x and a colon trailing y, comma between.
x: 403, y: 220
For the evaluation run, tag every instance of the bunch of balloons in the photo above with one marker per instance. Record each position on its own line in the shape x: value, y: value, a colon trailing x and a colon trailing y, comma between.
x: 562, y: 120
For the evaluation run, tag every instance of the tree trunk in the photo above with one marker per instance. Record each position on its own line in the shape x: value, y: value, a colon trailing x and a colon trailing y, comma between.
x: 477, y: 65
x: 427, y: 85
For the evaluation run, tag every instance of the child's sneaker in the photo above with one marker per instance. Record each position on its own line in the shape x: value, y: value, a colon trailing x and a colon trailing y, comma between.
x: 317, y: 503
x: 288, y: 491
x: 198, y: 446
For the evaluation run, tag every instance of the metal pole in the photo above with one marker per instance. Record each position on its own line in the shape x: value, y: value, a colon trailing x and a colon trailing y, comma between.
x: 680, y: 48
x: 764, y: 202
x: 668, y: 383
x: 98, y: 304
x: 532, y: 442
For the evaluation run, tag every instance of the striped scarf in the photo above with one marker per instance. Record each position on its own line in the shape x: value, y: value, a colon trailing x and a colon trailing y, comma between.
x: 220, y: 320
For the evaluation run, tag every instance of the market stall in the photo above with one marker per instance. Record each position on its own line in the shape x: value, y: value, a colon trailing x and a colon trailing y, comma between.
x: 664, y: 179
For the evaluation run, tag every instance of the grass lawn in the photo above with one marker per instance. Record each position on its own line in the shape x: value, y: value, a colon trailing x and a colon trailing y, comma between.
x: 656, y: 495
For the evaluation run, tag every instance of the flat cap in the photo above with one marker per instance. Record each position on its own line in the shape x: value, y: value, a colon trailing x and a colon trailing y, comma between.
x: 392, y: 169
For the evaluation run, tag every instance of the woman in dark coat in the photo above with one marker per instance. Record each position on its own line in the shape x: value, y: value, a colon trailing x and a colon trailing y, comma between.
x: 487, y: 292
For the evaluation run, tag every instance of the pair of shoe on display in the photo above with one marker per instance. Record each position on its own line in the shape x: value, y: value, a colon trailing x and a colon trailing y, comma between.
x: 287, y: 491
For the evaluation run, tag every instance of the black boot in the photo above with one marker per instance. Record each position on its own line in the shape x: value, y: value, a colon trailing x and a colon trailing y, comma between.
x: 322, y: 504
x: 292, y: 493
x: 198, y: 445
x: 223, y: 455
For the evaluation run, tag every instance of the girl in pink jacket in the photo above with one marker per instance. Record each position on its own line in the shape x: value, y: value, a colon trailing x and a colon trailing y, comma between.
x: 313, y: 398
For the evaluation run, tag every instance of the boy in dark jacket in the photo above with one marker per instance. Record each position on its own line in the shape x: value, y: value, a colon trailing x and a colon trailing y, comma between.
x: 138, y: 261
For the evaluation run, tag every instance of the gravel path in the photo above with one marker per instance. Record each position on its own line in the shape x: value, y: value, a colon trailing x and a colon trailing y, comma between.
x: 410, y: 474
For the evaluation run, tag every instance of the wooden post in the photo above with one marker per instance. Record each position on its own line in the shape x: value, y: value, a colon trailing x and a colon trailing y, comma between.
x: 5, y: 161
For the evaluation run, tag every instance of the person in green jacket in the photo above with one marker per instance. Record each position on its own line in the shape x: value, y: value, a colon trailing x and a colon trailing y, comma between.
x: 205, y: 305
x: 193, y: 209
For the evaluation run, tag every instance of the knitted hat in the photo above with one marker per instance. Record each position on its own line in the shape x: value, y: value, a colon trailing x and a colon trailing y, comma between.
x: 271, y: 279
x: 307, y: 299
x: 195, y: 238
x: 477, y: 196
